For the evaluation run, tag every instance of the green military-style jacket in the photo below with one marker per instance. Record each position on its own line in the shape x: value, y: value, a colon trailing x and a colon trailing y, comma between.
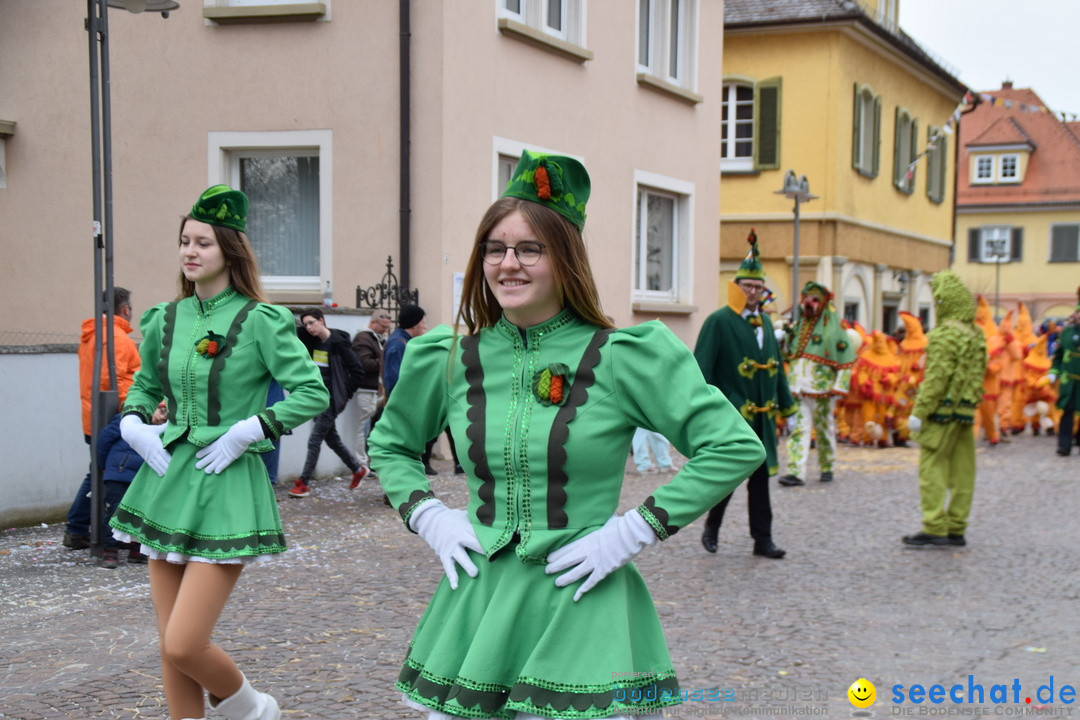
x: 188, y: 346
x: 542, y: 421
x: 751, y: 377
x: 1066, y: 366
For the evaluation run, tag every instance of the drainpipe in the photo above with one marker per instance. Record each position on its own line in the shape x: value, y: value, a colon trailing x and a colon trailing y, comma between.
x: 405, y: 139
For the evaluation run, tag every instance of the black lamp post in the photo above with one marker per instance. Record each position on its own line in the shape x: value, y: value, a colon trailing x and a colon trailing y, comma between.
x: 797, y: 189
x: 103, y: 403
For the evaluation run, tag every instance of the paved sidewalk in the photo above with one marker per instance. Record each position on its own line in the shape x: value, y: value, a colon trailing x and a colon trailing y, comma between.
x: 324, y: 628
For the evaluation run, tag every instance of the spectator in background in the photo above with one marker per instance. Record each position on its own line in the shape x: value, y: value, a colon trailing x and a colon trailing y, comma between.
x: 77, y: 531
x: 367, y: 344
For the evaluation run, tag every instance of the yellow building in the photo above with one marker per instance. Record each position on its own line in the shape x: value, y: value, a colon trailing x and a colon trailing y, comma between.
x: 839, y: 94
x: 1018, y: 204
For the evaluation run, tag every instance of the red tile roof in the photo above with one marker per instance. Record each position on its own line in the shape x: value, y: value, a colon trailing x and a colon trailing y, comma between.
x: 1053, y: 171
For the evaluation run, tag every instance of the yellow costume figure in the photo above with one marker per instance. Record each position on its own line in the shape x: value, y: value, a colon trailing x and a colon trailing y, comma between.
x: 1012, y: 372
x: 986, y: 416
x: 1039, y: 396
x: 912, y: 354
x: 876, y: 373
x: 1027, y: 338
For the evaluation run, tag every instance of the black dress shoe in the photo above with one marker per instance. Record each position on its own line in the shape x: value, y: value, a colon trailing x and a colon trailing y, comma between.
x: 708, y: 540
x: 766, y: 548
x: 791, y: 480
x: 826, y: 476
x: 1062, y: 453
x: 922, y: 539
x: 430, y: 471
x: 957, y: 540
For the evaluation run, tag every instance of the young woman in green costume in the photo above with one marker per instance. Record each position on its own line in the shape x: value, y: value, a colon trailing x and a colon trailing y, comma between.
x: 202, y: 504
x: 543, y: 396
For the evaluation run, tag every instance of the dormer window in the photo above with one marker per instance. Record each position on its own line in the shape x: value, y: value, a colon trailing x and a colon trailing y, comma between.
x: 997, y: 168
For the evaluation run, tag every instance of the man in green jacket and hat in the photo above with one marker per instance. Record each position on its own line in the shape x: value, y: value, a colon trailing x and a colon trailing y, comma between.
x: 738, y: 353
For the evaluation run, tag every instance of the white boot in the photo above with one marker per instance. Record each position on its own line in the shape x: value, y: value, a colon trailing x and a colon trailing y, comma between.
x: 248, y: 704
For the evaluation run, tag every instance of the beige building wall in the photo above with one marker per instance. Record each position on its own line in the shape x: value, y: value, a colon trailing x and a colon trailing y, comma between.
x: 182, y: 85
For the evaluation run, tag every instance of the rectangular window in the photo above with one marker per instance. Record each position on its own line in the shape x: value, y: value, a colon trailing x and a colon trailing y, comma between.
x: 287, y: 177
x: 562, y: 19
x: 994, y: 244
x: 984, y: 169
x: 667, y: 31
x: 662, y: 239
x: 851, y: 312
x: 905, y: 149
x: 1065, y: 243
x: 1009, y: 168
x: 737, y: 125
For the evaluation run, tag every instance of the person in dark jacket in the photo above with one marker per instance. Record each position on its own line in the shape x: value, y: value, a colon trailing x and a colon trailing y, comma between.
x: 331, y: 349
x: 119, y: 462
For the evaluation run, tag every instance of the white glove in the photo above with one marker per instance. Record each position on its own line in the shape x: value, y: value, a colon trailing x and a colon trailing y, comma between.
x: 914, y: 424
x: 450, y: 535
x: 220, y: 454
x: 791, y: 423
x: 146, y: 440
x: 601, y: 552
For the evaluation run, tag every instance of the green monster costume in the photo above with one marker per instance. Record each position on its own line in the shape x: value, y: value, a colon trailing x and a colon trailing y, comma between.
x: 946, y: 403
x: 212, y: 361
x: 542, y: 418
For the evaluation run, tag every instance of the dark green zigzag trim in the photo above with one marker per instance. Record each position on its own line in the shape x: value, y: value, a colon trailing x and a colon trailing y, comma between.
x: 584, y: 377
x: 168, y: 326
x: 502, y: 702
x: 213, y: 382
x: 476, y: 432
x: 256, y: 543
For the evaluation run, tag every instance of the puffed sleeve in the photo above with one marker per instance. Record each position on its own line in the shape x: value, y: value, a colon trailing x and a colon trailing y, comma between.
x: 288, y: 362
x: 415, y: 413
x: 146, y: 390
x: 701, y: 423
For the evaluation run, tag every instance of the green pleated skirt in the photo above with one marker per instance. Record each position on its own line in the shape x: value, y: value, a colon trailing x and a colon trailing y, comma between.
x: 508, y: 640
x: 189, y: 514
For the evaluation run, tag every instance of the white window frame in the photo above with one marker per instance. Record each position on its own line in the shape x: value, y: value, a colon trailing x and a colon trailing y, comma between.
x: 682, y: 191
x: 868, y: 131
x: 534, y: 13
x: 223, y: 168
x: 729, y: 161
x: 987, y: 235
x: 980, y: 163
x: 906, y: 153
x: 657, y: 38
x: 1014, y: 176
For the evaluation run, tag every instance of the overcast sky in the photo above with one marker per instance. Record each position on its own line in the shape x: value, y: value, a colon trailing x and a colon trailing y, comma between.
x: 1031, y: 42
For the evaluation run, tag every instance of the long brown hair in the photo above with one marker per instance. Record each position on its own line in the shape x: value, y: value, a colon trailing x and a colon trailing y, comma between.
x: 569, y: 264
x: 239, y: 259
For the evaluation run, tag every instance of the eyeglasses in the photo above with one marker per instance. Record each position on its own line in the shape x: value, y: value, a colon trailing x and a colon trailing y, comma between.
x: 527, y: 252
x: 751, y: 288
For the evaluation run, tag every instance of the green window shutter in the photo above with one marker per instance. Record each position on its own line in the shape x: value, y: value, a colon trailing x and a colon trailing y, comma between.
x: 897, y: 174
x: 877, y: 135
x: 767, y: 132
x: 913, y: 152
x: 856, y: 128
x: 1017, y: 249
x: 973, y: 245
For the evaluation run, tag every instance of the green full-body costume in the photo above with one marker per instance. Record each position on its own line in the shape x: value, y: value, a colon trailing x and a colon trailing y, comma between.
x: 1066, y: 368
x: 212, y: 361
x: 544, y: 468
x: 946, y: 403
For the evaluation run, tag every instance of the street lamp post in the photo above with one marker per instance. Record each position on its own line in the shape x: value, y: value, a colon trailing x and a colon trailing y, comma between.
x: 103, y: 403
x: 797, y: 189
x: 999, y: 252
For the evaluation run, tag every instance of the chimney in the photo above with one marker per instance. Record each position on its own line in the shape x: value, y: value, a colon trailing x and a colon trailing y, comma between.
x: 1007, y: 85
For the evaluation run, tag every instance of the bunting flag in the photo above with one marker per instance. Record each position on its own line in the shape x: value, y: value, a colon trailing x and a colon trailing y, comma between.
x: 973, y: 99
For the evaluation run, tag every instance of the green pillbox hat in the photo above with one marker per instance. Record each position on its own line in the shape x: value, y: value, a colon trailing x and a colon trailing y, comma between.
x: 222, y: 206
x: 559, y: 182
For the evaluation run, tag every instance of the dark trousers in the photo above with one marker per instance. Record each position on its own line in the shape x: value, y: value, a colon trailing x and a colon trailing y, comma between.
x: 324, y: 430
x: 426, y: 457
x: 1065, y: 427
x: 78, y: 516
x: 757, y: 500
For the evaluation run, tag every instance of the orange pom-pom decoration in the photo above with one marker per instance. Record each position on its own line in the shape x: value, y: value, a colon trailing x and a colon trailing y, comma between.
x: 543, y: 183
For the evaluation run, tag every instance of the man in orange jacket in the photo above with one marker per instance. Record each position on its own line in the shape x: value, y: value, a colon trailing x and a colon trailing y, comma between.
x: 77, y: 533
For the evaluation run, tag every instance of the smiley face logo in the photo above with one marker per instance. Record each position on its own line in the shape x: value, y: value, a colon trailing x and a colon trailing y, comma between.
x: 862, y: 693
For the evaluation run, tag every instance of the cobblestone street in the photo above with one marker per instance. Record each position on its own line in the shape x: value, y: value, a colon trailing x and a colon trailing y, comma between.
x: 325, y: 627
